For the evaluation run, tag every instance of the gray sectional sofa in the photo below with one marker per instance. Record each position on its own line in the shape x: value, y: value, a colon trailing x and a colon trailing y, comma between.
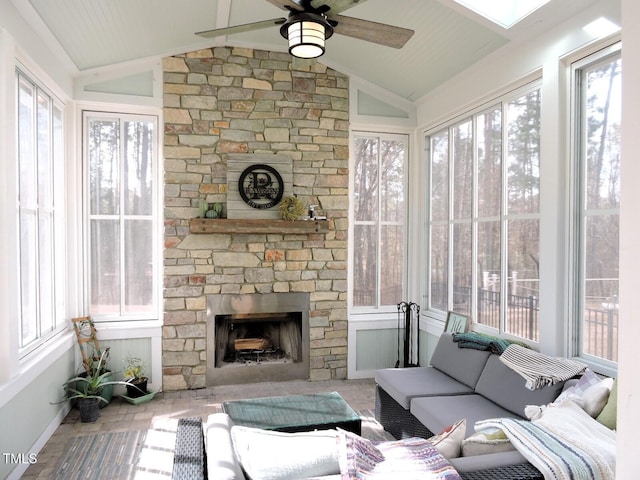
x: 459, y: 383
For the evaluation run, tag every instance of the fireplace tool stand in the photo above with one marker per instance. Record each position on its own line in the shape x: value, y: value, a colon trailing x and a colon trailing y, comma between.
x: 411, y: 335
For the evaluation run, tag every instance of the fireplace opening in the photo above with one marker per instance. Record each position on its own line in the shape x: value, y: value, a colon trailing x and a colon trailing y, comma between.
x: 256, y: 338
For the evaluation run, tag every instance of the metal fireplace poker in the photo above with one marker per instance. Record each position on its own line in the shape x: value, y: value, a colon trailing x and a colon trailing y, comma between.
x: 410, y: 311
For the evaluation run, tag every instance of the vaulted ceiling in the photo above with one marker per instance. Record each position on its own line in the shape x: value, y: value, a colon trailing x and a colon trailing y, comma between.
x: 98, y: 34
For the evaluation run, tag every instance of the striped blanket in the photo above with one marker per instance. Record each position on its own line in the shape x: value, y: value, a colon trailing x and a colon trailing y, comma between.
x: 565, y: 443
x: 539, y: 369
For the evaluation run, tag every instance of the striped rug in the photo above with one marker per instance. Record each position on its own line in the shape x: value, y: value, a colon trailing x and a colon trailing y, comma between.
x: 104, y: 456
x: 146, y: 454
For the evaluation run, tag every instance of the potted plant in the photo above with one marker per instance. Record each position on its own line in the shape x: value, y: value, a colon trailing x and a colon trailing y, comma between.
x: 135, y: 377
x: 98, y: 364
x: 88, y: 389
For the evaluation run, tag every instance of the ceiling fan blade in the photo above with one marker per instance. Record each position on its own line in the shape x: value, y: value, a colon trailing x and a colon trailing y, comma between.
x: 286, y: 4
x: 247, y: 27
x: 337, y: 6
x: 370, y: 31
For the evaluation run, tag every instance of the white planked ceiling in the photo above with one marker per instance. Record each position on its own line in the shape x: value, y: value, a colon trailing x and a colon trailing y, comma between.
x: 103, y: 33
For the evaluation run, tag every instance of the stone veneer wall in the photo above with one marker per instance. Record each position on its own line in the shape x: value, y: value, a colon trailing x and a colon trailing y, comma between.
x: 235, y: 100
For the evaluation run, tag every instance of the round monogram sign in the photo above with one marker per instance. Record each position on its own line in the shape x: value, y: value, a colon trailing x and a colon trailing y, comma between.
x: 261, y: 186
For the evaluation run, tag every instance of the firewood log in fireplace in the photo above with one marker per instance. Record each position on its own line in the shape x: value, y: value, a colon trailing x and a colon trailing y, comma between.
x: 252, y: 344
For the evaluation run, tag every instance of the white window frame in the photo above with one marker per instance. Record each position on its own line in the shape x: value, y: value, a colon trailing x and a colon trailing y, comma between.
x: 56, y: 211
x: 154, y: 315
x: 576, y: 236
x: 377, y: 308
x: 501, y: 101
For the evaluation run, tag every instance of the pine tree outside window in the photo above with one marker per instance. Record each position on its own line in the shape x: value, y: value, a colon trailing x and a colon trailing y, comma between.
x: 484, y: 202
x: 121, y: 156
x: 379, y: 212
x: 597, y: 83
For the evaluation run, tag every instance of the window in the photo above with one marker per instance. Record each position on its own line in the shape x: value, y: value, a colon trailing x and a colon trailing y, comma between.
x: 379, y: 204
x: 121, y: 155
x: 484, y: 215
x: 40, y: 149
x: 598, y: 101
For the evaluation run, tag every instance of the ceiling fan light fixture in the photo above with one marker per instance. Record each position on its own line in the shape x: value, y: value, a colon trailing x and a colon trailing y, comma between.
x: 306, y: 33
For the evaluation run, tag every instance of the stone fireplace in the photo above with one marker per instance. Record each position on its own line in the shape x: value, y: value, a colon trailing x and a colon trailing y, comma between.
x: 257, y: 338
x: 219, y: 103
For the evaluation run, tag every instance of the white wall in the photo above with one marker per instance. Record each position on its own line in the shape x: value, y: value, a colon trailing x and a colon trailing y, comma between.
x: 30, y: 385
x: 26, y: 387
x: 629, y: 388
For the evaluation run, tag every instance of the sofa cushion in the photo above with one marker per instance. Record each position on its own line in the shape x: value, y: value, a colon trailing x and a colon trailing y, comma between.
x: 271, y: 455
x: 222, y: 465
x: 463, y: 364
x: 403, y: 384
x: 506, y: 387
x: 437, y: 413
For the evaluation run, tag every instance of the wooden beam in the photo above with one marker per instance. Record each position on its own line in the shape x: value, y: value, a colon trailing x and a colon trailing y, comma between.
x: 226, y: 225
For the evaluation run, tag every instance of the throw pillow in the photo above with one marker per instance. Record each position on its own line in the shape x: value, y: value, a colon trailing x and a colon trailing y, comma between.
x: 587, y: 379
x: 357, y: 454
x: 269, y: 455
x: 608, y: 415
x: 486, y: 441
x: 595, y: 397
x: 448, y: 441
x: 590, y: 393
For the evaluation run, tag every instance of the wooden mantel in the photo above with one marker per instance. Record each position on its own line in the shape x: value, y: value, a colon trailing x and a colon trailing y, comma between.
x: 226, y: 225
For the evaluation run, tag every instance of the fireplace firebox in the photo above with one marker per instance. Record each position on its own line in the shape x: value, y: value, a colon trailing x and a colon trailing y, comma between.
x: 257, y: 338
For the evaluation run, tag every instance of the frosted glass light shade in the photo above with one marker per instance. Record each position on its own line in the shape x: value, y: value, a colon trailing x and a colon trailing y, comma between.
x: 306, y: 39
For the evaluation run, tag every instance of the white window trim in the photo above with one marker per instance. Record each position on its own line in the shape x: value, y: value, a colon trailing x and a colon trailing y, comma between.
x: 16, y: 372
x: 575, y: 63
x: 385, y: 313
x: 129, y: 322
x: 59, y: 222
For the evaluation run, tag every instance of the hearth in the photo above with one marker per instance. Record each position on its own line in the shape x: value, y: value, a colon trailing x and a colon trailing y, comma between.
x: 257, y: 338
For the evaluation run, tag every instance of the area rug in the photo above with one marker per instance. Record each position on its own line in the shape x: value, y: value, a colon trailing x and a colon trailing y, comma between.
x: 103, y: 456
x: 146, y: 454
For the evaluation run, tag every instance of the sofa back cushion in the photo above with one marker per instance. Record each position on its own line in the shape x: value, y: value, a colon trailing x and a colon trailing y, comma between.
x: 504, y: 386
x: 463, y: 364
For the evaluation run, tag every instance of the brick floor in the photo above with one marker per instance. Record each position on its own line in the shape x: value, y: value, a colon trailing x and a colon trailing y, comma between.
x: 160, y: 415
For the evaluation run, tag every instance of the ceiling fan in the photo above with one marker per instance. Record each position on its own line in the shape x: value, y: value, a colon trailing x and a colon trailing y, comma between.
x: 311, y: 22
